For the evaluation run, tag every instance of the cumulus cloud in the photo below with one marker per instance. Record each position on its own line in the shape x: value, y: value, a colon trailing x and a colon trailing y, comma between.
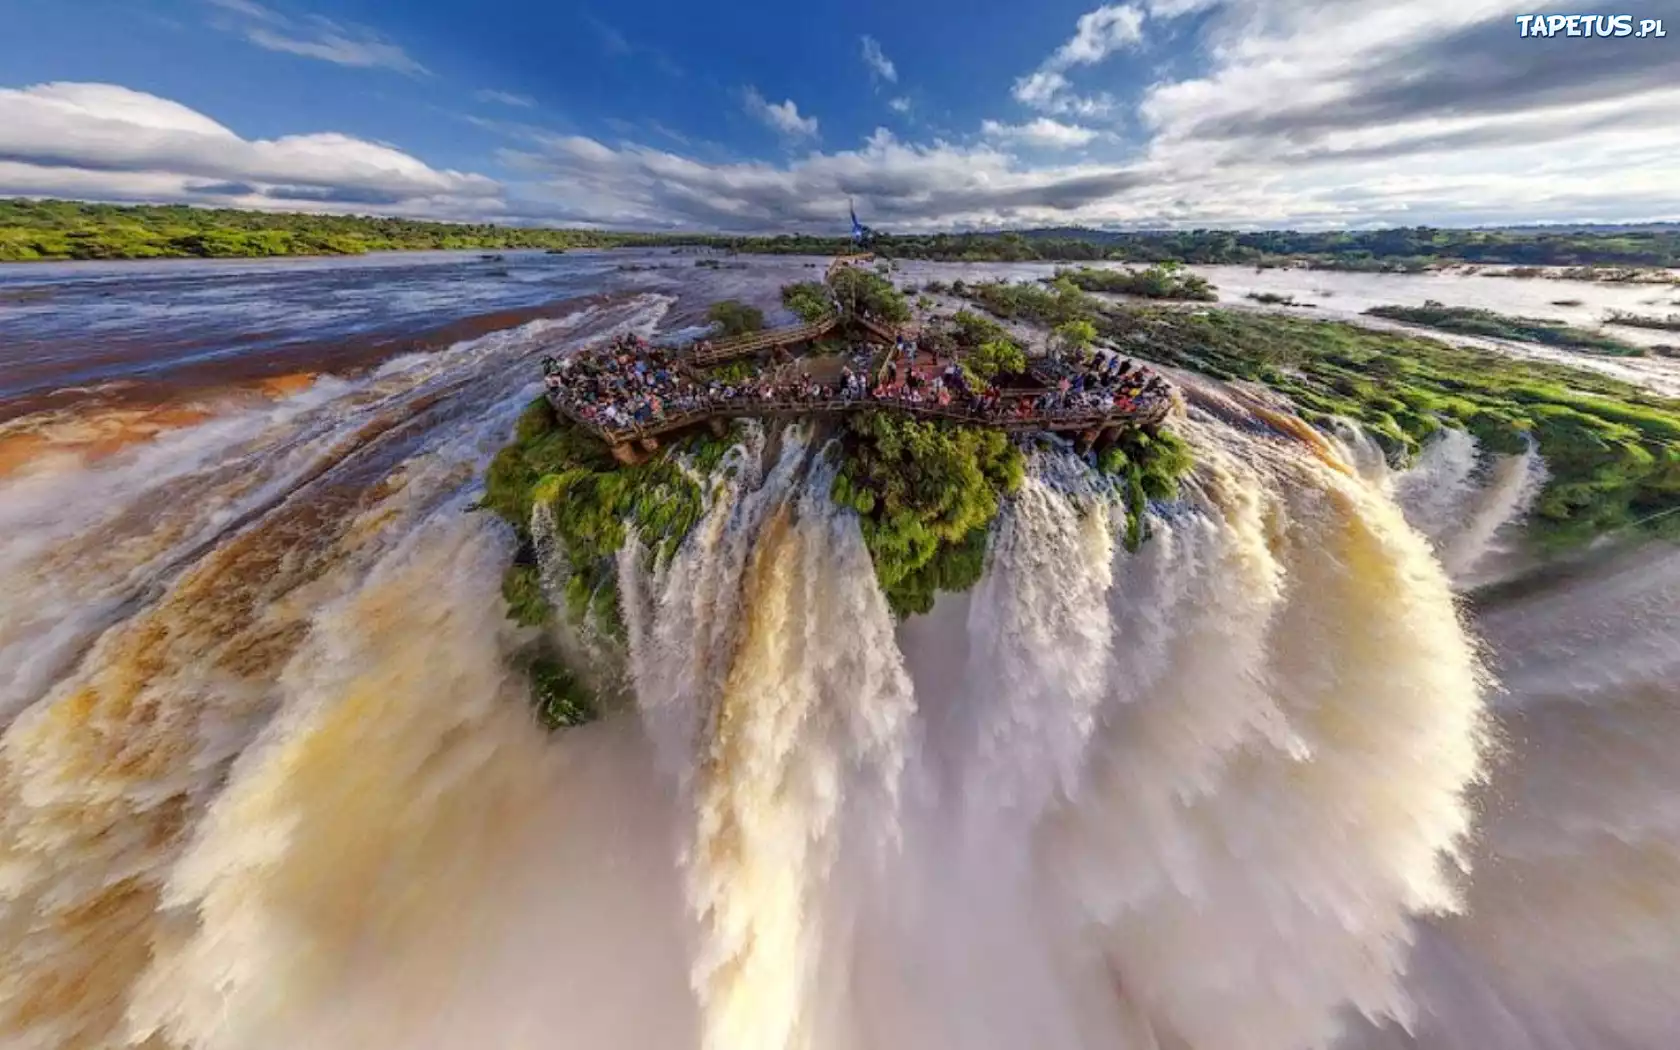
x: 899, y: 105
x: 879, y: 64
x: 314, y: 37
x: 899, y: 185
x: 1099, y: 34
x: 105, y: 141
x: 505, y: 98
x: 1304, y: 113
x: 1096, y: 35
x: 782, y: 116
x: 1043, y: 133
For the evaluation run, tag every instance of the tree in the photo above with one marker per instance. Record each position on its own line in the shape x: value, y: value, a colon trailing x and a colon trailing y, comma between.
x: 872, y: 294
x: 809, y: 301
x: 1073, y: 336
x: 733, y: 317
x: 997, y: 357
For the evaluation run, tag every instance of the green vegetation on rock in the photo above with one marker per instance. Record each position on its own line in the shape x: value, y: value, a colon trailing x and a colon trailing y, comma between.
x: 1166, y: 280
x: 734, y: 317
x: 809, y: 301
x: 1611, y: 449
x: 1469, y: 321
x: 1057, y: 304
x: 1151, y: 460
x: 926, y: 493
x: 995, y: 357
x: 858, y: 289
x: 560, y: 699
x: 591, y: 497
x: 1072, y: 337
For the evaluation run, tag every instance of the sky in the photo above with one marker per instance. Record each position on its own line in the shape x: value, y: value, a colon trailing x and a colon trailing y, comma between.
x: 767, y: 116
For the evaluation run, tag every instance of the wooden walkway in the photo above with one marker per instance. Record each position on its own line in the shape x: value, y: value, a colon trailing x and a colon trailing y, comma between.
x: 753, y: 342
x: 1092, y: 426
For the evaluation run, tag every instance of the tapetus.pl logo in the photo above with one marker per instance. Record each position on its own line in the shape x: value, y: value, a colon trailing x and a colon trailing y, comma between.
x: 1590, y: 25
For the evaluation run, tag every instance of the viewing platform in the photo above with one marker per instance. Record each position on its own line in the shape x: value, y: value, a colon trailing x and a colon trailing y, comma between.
x: 630, y: 394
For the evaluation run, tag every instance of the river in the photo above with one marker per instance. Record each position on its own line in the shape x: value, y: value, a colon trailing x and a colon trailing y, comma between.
x: 268, y: 778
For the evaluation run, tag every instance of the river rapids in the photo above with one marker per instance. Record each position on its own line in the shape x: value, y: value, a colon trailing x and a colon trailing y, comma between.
x: 269, y: 780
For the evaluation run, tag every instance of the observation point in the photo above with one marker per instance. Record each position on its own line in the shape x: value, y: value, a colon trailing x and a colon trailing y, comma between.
x: 630, y: 393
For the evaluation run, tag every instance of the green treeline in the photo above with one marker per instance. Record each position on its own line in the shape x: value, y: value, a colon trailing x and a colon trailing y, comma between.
x: 1470, y: 321
x: 33, y: 230
x: 50, y: 229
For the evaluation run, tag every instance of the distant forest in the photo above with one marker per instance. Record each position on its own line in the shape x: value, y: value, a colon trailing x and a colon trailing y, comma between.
x: 46, y: 229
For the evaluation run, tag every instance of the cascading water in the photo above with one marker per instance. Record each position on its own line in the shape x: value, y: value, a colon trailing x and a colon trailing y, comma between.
x: 1208, y: 794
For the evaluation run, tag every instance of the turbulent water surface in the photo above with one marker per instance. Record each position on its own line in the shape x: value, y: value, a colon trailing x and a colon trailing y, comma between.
x: 269, y: 780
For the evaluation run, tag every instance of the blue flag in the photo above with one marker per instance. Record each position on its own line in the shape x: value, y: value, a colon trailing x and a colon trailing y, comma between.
x: 857, y: 227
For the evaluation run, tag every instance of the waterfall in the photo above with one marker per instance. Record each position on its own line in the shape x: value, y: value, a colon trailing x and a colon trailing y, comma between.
x: 1201, y: 795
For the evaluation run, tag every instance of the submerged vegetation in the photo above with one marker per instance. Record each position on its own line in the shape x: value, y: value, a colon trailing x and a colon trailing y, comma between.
x: 1470, y: 321
x: 926, y: 493
x: 1612, y: 450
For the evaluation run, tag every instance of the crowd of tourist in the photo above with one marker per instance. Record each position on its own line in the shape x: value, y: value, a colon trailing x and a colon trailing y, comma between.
x: 623, y: 384
x: 629, y: 384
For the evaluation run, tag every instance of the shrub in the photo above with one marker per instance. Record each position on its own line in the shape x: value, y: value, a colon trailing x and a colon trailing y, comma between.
x: 734, y: 317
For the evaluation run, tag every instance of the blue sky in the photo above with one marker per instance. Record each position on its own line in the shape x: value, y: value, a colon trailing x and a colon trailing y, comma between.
x: 759, y: 116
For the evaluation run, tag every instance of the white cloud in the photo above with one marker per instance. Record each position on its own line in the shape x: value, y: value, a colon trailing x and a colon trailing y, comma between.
x: 314, y: 37
x: 1042, y: 133
x: 879, y: 64
x: 1099, y: 34
x: 1305, y: 113
x: 782, y: 116
x: 505, y: 98
x: 1040, y: 89
x: 1175, y: 8
x: 102, y: 140
x: 898, y: 185
x: 899, y: 105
